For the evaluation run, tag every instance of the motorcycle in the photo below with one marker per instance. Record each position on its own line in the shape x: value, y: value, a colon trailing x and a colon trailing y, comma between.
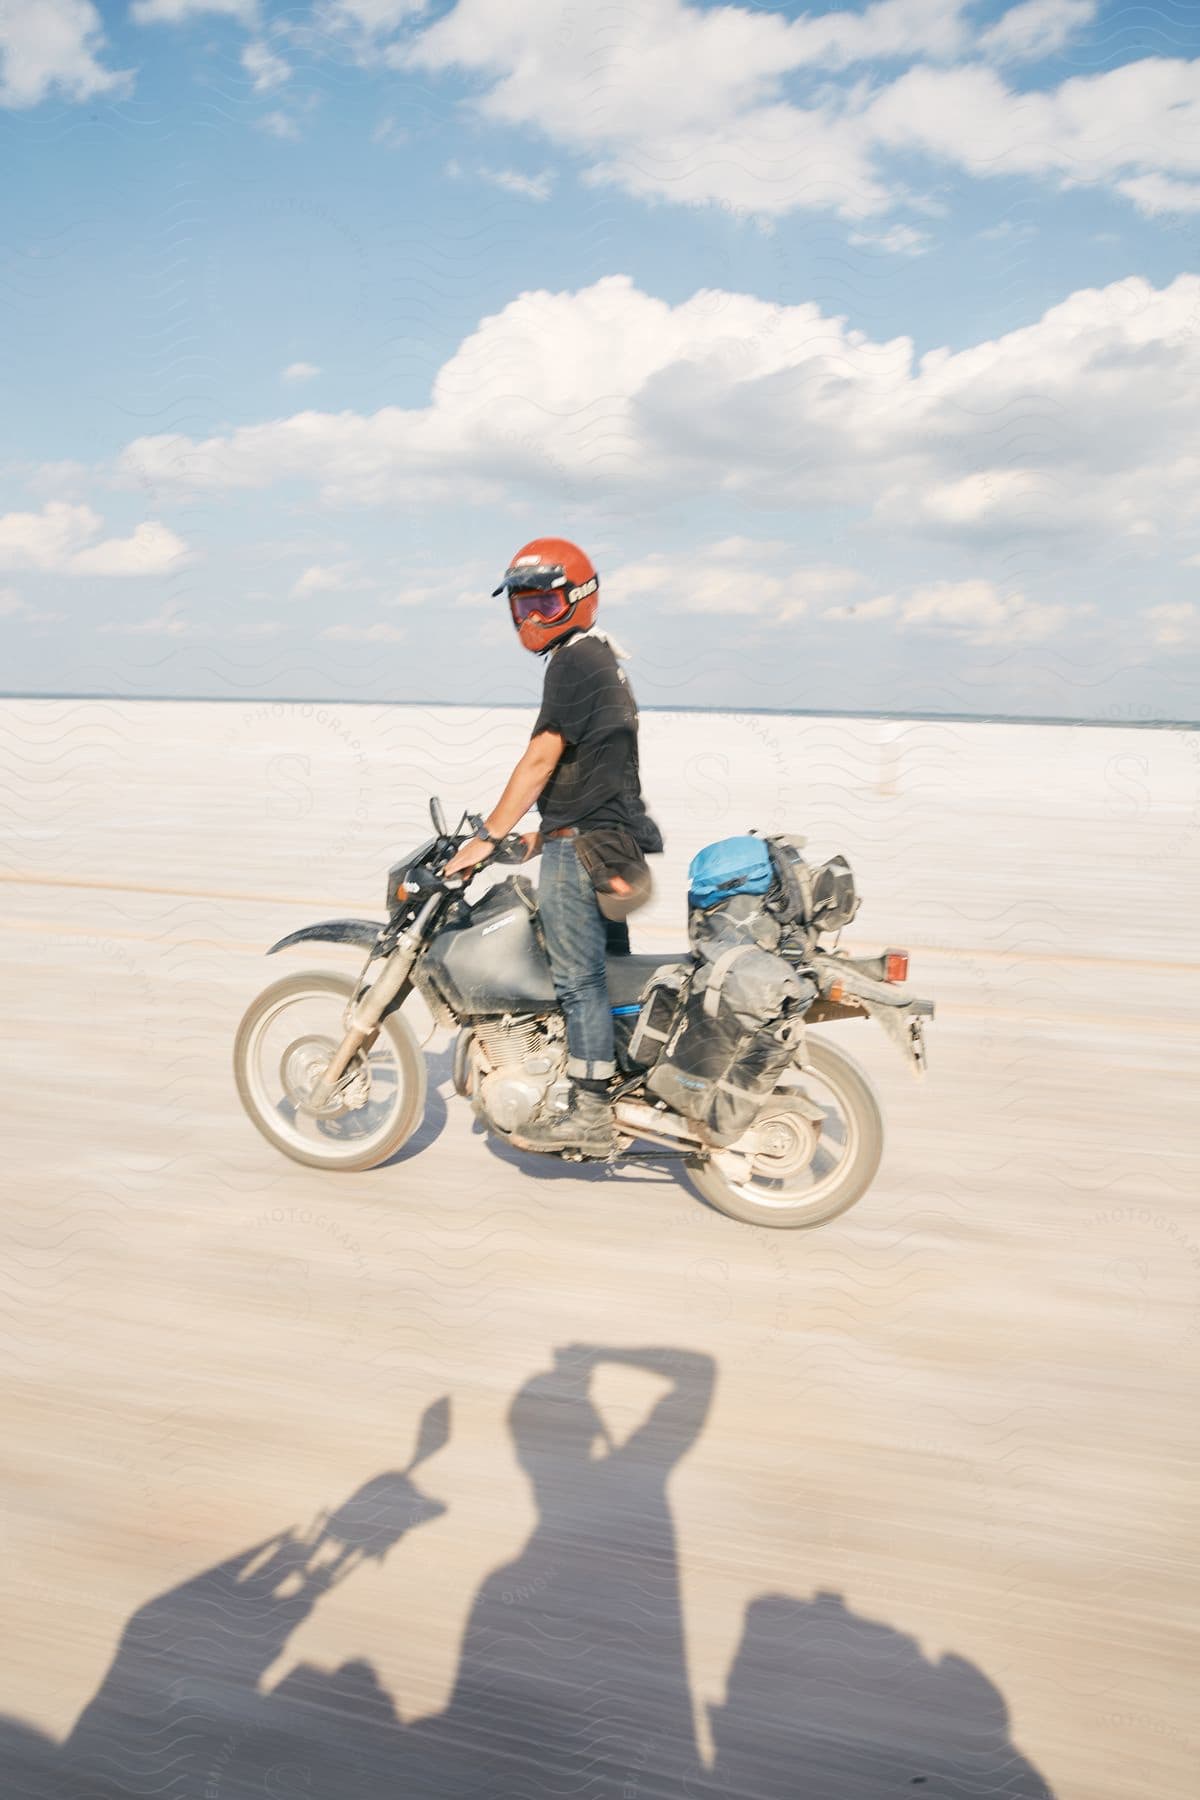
x: 330, y: 1072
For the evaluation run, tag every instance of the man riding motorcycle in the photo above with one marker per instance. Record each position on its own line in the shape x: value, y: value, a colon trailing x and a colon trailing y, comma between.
x: 581, y: 769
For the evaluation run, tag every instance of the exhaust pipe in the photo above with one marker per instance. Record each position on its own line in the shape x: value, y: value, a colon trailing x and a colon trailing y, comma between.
x: 657, y: 1127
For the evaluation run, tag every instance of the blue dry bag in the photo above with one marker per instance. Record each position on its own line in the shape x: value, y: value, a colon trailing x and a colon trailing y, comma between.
x: 737, y: 865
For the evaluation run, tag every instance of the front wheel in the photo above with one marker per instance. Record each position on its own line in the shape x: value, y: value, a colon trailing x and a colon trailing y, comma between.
x: 793, y: 1169
x: 283, y: 1045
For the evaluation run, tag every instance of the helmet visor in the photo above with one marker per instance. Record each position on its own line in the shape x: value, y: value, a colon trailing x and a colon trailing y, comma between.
x: 527, y: 577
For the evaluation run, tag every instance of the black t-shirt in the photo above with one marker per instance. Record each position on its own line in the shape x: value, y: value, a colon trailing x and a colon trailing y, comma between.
x: 588, y: 700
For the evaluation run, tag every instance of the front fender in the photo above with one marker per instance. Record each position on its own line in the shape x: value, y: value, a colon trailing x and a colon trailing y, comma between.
x: 363, y: 932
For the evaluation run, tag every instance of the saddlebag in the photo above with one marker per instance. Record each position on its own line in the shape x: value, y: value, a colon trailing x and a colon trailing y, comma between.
x: 734, y: 1035
x: 662, y: 1001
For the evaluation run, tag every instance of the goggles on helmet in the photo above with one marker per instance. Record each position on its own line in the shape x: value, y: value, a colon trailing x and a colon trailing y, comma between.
x: 548, y: 605
x: 536, y: 591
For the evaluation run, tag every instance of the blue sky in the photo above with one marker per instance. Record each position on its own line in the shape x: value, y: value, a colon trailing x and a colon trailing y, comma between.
x: 858, y: 345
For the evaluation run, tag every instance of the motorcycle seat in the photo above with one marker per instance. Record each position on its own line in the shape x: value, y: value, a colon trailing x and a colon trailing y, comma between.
x: 628, y: 975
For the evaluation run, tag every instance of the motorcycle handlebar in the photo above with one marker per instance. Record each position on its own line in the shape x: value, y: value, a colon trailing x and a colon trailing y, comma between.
x: 509, y: 849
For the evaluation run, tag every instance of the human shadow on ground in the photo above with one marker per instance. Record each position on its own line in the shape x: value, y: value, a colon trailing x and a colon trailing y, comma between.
x: 572, y: 1677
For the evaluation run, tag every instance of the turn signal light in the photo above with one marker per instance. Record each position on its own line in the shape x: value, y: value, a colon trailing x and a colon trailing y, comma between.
x: 895, y: 965
x: 836, y: 993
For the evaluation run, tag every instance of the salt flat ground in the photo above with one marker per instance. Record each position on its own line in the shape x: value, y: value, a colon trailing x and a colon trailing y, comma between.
x: 897, y: 1506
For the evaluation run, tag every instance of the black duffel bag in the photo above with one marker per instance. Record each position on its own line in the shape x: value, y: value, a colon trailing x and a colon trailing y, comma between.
x: 614, y: 863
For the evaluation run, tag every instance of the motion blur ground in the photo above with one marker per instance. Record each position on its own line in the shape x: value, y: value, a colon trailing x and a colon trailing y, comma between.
x: 913, y: 1517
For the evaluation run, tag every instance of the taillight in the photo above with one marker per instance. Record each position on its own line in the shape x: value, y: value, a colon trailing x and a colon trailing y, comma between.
x: 895, y: 965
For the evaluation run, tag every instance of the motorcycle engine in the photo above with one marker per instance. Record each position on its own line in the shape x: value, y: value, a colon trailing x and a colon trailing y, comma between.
x: 518, y: 1070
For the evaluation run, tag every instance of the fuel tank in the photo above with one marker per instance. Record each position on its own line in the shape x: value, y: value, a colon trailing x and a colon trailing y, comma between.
x: 493, y: 961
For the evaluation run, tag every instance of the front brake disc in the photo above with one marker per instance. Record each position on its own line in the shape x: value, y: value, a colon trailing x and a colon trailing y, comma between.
x: 301, y: 1067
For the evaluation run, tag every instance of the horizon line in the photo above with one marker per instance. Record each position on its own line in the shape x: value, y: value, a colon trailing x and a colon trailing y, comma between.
x: 1149, y: 723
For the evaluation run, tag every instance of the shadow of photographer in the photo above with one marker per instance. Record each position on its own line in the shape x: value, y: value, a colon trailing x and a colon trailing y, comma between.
x: 572, y: 1676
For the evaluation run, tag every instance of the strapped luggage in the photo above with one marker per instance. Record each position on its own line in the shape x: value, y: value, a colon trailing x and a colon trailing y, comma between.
x: 735, y: 1034
x: 662, y: 998
x: 733, y: 1028
x: 821, y: 896
x: 736, y: 865
x: 742, y: 919
x: 788, y: 888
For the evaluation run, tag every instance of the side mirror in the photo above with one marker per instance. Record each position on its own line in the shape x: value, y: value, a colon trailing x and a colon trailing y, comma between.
x: 437, y: 816
x: 434, y: 1432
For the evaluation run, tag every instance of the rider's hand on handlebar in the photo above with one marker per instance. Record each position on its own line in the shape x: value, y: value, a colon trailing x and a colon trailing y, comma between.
x: 468, y: 856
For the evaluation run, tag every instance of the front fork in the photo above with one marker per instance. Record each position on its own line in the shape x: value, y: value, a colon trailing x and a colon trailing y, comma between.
x: 364, y: 1014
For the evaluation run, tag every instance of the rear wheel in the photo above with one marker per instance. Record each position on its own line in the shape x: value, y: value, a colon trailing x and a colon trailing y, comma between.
x: 793, y: 1169
x: 283, y: 1045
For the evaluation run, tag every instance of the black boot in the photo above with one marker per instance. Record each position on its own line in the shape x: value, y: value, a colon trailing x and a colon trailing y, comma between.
x: 587, y: 1126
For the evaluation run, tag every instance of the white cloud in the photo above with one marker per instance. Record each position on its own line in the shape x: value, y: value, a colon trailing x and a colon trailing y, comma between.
x: 888, y: 30
x: 177, y: 12
x: 1013, y: 230
x: 467, y: 584
x: 65, y: 540
x: 379, y: 633
x: 323, y: 578
x: 862, y: 611
x: 51, y: 47
x: 300, y: 371
x: 167, y: 622
x: 373, y: 18
x: 1177, y: 622
x: 527, y: 187
x: 152, y: 550
x: 1035, y: 29
x: 1154, y: 194
x: 390, y: 133
x: 47, y: 540
x: 279, y: 125
x: 720, y: 131
x: 980, y: 613
x: 995, y: 494
x: 1082, y: 421
x: 1143, y: 116
x: 14, y: 606
x: 729, y: 133
x: 899, y: 240
x: 265, y: 69
x: 734, y: 575
x: 349, y: 577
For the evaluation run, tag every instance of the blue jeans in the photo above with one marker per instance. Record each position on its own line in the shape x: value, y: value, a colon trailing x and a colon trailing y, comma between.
x: 576, y: 938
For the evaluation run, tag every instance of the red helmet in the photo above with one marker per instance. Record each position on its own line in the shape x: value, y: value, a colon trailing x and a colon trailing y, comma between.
x: 552, y: 588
